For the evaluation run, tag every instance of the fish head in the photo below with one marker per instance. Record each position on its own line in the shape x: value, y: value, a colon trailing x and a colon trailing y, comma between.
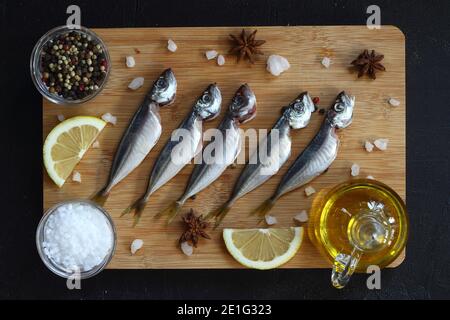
x: 164, y: 88
x: 299, y: 111
x: 208, y: 104
x: 243, y: 105
x: 341, y: 113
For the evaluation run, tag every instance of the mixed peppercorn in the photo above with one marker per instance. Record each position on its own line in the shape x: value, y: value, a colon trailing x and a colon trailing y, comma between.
x: 73, y: 65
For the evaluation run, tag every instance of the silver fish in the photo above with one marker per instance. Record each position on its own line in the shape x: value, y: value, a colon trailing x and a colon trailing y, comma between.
x: 185, y: 144
x: 242, y: 109
x: 142, y: 133
x: 318, y: 155
x: 272, y: 152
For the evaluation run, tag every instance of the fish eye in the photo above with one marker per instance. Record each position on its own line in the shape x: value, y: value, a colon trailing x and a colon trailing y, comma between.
x: 238, y: 100
x: 206, y: 98
x: 161, y: 83
x: 338, y: 107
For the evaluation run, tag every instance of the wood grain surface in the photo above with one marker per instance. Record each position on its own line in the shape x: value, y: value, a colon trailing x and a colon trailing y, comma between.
x: 304, y: 47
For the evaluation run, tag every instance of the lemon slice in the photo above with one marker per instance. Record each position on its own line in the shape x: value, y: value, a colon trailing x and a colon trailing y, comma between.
x: 263, y: 248
x: 67, y: 143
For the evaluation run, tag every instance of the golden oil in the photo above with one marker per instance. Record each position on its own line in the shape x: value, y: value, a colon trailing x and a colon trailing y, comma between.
x: 363, y: 216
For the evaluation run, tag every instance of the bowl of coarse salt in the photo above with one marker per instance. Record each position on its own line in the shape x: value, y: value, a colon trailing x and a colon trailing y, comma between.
x: 76, y: 239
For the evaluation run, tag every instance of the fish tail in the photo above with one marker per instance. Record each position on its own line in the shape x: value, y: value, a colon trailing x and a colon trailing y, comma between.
x: 265, y: 207
x: 171, y: 211
x: 138, y: 207
x: 220, y: 214
x: 100, y: 197
x: 217, y: 212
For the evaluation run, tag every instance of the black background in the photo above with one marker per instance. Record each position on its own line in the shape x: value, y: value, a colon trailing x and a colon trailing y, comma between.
x: 424, y: 274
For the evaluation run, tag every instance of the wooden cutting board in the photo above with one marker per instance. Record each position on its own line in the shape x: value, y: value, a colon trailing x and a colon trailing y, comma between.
x: 304, y: 47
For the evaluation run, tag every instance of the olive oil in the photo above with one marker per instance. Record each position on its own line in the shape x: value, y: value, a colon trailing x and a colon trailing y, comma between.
x: 361, y: 220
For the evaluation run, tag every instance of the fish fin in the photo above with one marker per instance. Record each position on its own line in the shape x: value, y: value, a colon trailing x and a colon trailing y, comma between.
x: 138, y: 207
x: 265, y: 207
x: 221, y: 215
x: 171, y: 211
x: 100, y: 197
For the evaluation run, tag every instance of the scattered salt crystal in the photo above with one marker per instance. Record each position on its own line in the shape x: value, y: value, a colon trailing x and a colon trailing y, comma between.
x: 96, y: 144
x: 370, y: 177
x: 211, y: 54
x: 302, y: 216
x: 220, y: 60
x: 309, y: 191
x: 355, y: 170
x: 136, y: 83
x: 270, y: 220
x: 277, y: 64
x: 394, y: 102
x: 326, y: 62
x: 136, y: 245
x: 77, y: 237
x: 60, y: 117
x: 381, y: 144
x: 343, y: 210
x: 171, y: 45
x: 187, y: 248
x: 369, y: 146
x: 108, y: 117
x: 130, y: 61
x: 76, y: 176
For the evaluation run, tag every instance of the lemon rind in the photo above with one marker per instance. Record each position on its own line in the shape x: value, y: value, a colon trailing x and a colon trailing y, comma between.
x: 264, y: 265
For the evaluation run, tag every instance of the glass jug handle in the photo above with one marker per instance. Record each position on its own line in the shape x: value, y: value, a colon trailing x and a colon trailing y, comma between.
x: 343, y: 267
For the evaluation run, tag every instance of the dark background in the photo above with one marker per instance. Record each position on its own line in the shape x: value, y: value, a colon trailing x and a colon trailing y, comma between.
x: 424, y: 274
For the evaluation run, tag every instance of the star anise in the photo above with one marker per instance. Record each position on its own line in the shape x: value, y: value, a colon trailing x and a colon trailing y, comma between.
x: 369, y: 63
x: 246, y: 46
x: 194, y: 228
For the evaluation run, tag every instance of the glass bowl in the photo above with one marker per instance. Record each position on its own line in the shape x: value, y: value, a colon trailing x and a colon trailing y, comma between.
x: 53, y: 266
x: 36, y: 72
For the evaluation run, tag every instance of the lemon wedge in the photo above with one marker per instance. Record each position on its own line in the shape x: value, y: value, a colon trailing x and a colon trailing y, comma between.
x: 263, y: 248
x: 67, y: 143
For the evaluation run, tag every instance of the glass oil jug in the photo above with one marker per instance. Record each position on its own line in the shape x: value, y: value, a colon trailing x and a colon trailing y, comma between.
x: 357, y: 224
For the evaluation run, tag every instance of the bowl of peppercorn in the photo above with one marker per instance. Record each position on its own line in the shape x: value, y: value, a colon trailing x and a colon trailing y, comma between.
x: 70, y: 66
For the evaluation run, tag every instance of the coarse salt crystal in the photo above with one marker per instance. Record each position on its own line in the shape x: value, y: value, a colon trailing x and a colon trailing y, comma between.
x: 270, y: 220
x: 277, y: 64
x: 136, y: 245
x: 171, y: 45
x: 130, y: 61
x: 220, y: 60
x: 96, y: 144
x: 76, y: 176
x: 326, y: 62
x: 309, y: 191
x: 370, y: 177
x: 302, y: 216
x: 211, y: 54
x: 61, y: 117
x: 369, y: 146
x: 381, y: 144
x: 108, y: 117
x: 394, y: 102
x: 77, y: 237
x: 355, y: 170
x: 187, y: 248
x: 136, y: 83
